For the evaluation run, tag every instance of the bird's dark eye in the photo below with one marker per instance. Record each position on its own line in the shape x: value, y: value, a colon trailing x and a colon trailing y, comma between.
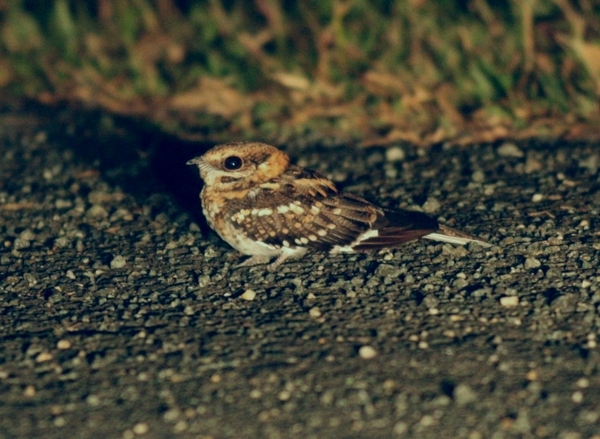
x: 232, y: 163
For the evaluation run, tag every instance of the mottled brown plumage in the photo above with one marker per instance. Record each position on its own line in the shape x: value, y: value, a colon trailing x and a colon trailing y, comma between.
x: 265, y: 207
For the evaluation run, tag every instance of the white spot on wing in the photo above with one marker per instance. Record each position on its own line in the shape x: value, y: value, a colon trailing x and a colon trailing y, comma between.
x: 265, y: 212
x: 296, y: 209
x: 350, y: 247
x: 368, y: 234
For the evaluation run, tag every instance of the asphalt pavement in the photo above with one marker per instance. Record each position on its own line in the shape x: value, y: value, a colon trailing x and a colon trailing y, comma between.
x: 121, y: 315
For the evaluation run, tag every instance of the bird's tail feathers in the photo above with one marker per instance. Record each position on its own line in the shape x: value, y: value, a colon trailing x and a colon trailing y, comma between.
x: 453, y: 236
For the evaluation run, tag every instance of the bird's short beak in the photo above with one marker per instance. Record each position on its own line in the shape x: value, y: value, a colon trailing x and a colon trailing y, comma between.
x: 195, y: 161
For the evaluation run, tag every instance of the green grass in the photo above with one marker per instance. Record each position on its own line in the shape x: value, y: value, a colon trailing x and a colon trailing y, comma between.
x: 373, y: 71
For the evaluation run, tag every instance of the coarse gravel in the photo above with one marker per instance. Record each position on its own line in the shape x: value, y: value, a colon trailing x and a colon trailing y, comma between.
x: 121, y: 315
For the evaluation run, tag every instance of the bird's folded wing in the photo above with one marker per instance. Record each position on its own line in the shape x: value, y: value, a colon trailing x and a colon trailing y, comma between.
x: 285, y: 218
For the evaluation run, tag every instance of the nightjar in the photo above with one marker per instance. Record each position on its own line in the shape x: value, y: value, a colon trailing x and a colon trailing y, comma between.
x: 265, y: 207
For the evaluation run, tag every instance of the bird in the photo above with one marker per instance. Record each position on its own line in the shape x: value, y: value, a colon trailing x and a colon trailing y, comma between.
x: 267, y: 208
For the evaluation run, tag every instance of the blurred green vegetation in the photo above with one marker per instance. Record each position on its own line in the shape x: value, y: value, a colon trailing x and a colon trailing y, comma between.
x: 370, y: 70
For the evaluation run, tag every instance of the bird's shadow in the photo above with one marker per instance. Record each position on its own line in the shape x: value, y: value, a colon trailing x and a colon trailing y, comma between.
x: 136, y: 157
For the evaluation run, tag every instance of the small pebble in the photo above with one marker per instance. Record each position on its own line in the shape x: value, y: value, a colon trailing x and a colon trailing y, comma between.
x: 432, y: 205
x: 140, y: 428
x: 63, y: 204
x: 532, y: 263
x: 592, y: 163
x: 181, y: 425
x: 478, y: 176
x: 532, y: 165
x: 93, y: 400
x: 27, y: 235
x: 97, y: 211
x: 463, y: 395
x: 427, y: 421
x: 43, y: 357
x: 394, y: 154
x: 63, y: 344
x: 367, y: 352
x: 29, y: 391
x: 20, y: 244
x: 454, y: 250
x: 509, y: 301
x: 315, y: 312
x: 172, y: 415
x: 400, y: 428
x: 537, y: 198
x: 532, y: 375
x: 509, y: 149
x: 248, y: 295
x: 118, y: 262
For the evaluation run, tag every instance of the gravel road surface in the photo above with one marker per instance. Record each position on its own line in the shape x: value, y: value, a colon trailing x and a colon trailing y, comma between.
x: 121, y: 315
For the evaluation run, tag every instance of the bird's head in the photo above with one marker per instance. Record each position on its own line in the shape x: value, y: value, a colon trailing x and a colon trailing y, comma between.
x: 240, y: 165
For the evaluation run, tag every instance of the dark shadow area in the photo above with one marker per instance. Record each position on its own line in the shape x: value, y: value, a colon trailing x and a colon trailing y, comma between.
x: 134, y: 156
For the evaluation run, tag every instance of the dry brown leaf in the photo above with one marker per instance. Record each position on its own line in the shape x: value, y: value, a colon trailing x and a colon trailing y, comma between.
x: 292, y: 80
x: 384, y: 83
x: 213, y: 96
x: 590, y: 54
